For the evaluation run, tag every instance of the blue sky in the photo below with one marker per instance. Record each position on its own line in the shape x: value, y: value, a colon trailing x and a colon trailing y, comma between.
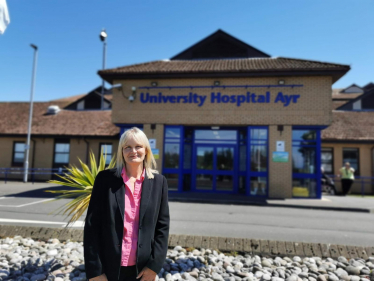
x: 70, y: 51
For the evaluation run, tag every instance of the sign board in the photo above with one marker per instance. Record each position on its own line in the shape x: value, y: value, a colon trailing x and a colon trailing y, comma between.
x: 155, y: 153
x: 280, y: 156
x: 280, y: 146
x: 217, y: 97
x: 152, y: 142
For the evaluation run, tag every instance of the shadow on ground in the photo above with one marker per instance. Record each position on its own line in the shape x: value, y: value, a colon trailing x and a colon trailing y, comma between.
x: 41, y: 192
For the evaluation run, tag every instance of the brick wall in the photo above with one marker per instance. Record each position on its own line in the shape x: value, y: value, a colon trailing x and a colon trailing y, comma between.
x: 313, y: 106
x: 280, y: 174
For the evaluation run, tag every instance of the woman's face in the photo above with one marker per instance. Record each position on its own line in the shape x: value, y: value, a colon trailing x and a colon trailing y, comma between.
x: 133, y: 152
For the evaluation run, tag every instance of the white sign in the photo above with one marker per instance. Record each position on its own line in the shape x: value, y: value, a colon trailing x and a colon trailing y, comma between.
x: 152, y: 142
x: 4, y: 16
x: 280, y: 146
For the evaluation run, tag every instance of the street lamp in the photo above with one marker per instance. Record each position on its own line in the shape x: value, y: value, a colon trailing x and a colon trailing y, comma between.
x: 27, y: 148
x: 103, y: 37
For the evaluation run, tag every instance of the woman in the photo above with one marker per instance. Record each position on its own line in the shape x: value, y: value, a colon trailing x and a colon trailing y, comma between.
x: 347, y: 174
x: 127, y: 224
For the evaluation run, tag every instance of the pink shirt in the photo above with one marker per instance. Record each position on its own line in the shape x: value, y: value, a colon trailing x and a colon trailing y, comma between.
x: 131, y: 220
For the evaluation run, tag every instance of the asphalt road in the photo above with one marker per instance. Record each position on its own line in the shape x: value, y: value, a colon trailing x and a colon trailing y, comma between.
x: 29, y: 204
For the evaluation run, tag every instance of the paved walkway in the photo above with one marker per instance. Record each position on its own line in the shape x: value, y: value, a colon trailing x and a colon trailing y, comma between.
x: 328, y: 202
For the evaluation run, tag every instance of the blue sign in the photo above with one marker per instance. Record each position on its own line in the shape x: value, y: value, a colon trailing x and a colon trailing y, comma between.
x: 194, y: 98
x: 280, y: 156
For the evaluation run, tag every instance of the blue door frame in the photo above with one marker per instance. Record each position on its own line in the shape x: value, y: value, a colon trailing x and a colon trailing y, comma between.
x: 215, y: 172
x: 181, y: 171
x: 250, y: 173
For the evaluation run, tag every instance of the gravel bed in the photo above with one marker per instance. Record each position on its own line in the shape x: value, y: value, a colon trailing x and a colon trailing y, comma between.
x: 25, y: 259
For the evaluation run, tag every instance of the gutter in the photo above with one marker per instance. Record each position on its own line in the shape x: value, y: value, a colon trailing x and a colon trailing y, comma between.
x: 86, y: 149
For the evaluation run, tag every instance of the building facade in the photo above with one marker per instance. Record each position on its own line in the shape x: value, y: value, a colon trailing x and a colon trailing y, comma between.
x: 228, y: 118
x: 222, y: 116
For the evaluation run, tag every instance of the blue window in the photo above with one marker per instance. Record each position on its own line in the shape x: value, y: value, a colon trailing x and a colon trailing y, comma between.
x: 306, y: 162
x: 257, y: 171
x: 172, y: 160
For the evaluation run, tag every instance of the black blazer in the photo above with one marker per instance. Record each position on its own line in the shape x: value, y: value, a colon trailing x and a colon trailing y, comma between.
x: 103, y: 229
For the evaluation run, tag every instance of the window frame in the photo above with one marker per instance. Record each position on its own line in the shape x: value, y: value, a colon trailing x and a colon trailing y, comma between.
x: 100, y: 148
x: 18, y: 164
x: 317, y: 175
x: 357, y: 171
x: 62, y: 141
x: 332, y: 159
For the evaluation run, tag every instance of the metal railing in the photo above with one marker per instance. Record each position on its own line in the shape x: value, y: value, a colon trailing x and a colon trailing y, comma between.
x: 32, y: 172
x: 361, y: 180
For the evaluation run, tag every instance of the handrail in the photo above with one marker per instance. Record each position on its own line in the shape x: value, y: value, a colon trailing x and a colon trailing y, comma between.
x: 32, y: 172
x: 358, y: 179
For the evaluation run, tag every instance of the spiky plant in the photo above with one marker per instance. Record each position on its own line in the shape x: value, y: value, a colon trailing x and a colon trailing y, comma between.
x: 83, y: 181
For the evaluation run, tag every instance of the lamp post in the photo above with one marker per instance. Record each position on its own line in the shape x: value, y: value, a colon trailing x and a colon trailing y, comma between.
x: 103, y: 36
x: 27, y: 148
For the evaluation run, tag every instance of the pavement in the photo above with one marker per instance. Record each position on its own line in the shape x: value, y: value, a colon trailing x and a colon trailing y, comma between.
x: 327, y: 202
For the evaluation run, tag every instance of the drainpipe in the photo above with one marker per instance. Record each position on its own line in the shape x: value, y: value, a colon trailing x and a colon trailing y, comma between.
x: 33, y: 159
x: 372, y: 169
x: 86, y: 150
x: 33, y: 153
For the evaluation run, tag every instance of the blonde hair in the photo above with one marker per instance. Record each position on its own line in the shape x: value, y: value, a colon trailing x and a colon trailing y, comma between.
x: 149, y: 160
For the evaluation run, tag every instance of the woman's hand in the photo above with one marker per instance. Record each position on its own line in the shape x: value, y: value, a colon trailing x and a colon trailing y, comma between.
x: 147, y: 274
x: 101, y: 277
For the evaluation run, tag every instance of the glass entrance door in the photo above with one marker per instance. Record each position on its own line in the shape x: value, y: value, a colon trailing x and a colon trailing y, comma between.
x: 215, y: 167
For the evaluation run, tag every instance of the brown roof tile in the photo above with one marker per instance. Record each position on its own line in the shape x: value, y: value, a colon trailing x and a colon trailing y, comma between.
x: 337, y: 103
x: 14, y: 118
x: 226, y: 65
x: 69, y: 99
x: 350, y: 125
x: 336, y: 95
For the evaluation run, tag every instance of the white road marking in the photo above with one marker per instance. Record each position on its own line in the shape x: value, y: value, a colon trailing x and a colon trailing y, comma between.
x: 17, y: 206
x: 325, y: 199
x: 35, y: 202
x: 63, y: 224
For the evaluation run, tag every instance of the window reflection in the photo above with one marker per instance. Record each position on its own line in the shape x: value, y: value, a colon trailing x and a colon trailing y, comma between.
x: 351, y: 155
x: 225, y: 158
x: 258, y: 158
x: 204, y: 158
x: 204, y: 182
x: 304, y: 134
x: 172, y: 132
x: 259, y: 133
x: 62, y: 153
x: 171, y: 155
x: 172, y: 181
x: 19, y: 152
x: 224, y: 183
x: 258, y: 185
x: 303, y: 159
x: 304, y: 187
x: 215, y: 135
